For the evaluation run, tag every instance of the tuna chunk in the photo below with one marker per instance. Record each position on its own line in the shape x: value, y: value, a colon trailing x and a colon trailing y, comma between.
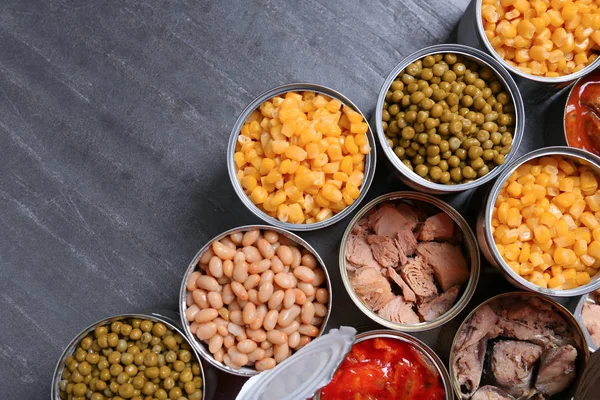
x: 477, y: 327
x: 384, y: 250
x: 557, y: 370
x: 398, y: 310
x: 448, y: 263
x: 437, y: 227
x: 406, y: 242
x: 389, y: 219
x: 420, y: 280
x: 590, y: 313
x: 440, y: 305
x: 358, y: 253
x: 372, y: 287
x: 491, y: 393
x: 513, y: 363
x: 407, y: 292
x: 468, y: 365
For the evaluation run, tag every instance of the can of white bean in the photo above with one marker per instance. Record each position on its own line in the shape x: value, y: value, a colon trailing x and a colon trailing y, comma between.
x: 252, y: 296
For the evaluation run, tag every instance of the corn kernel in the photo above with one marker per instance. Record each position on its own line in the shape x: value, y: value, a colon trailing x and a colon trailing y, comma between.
x: 583, y: 278
x: 589, y: 220
x: 556, y: 282
x: 542, y: 234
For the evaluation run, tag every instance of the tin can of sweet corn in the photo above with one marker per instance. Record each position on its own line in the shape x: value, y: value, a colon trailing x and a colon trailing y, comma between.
x: 534, y: 89
x: 485, y: 228
x: 370, y: 158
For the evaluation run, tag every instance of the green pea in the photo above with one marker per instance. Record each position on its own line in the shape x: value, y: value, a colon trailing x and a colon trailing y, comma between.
x: 418, y: 159
x: 412, y: 69
x: 393, y: 110
x: 461, y: 154
x: 499, y: 159
x: 459, y: 69
x: 412, y: 87
x: 406, y: 79
x: 438, y: 70
x: 456, y: 174
x: 396, y: 85
x: 428, y: 61
x: 421, y: 170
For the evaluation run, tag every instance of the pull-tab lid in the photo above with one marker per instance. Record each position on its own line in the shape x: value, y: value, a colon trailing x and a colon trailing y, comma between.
x: 301, y: 375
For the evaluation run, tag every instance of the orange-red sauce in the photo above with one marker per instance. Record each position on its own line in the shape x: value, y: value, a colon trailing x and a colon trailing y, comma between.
x: 384, y: 369
x: 580, y: 118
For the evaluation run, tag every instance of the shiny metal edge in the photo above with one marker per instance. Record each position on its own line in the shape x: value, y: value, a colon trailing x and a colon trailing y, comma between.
x: 560, y: 308
x: 425, y: 350
x: 470, y: 244
x: 156, y: 317
x: 487, y: 243
x: 196, y: 344
x: 412, y: 179
x: 566, y: 79
x: 577, y: 313
x: 370, y: 159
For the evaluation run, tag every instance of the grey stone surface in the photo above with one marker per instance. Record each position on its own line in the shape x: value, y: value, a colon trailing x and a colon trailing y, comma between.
x: 114, y: 118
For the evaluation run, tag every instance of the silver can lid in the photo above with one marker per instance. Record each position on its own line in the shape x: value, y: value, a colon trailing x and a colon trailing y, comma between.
x: 300, y: 376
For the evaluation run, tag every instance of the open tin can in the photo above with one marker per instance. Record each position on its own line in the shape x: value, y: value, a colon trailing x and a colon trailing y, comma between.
x: 168, y: 318
x: 470, y: 250
x: 585, y: 299
x: 370, y: 159
x: 409, y: 177
x: 534, y: 88
x: 484, y: 221
x: 200, y: 347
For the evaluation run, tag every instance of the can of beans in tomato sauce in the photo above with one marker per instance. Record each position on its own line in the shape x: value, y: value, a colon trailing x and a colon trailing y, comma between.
x: 285, y: 237
x: 485, y: 229
x: 427, y: 360
x: 535, y: 89
x: 410, y: 177
x: 369, y: 160
x: 166, y: 317
x: 581, y: 126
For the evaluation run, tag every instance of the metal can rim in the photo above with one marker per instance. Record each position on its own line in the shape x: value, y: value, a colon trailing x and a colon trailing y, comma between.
x: 370, y: 159
x: 198, y: 347
x: 559, y: 307
x: 582, y: 156
x: 579, y: 317
x: 420, y: 345
x: 506, y: 79
x: 471, y: 246
x: 56, y: 377
x: 540, y: 79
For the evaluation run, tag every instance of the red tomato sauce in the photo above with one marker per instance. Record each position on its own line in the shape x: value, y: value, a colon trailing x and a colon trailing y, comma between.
x: 582, y: 120
x: 384, y: 369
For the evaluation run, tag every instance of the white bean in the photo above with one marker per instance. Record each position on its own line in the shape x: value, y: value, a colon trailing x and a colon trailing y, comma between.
x: 284, y: 280
x: 258, y: 354
x: 319, y: 278
x: 307, y: 313
x: 258, y: 267
x: 215, y: 300
x: 240, y: 272
x: 300, y: 297
x: 261, y: 311
x: 228, y: 295
x: 239, y: 257
x: 228, y: 340
x: 194, y: 327
x: 236, y: 331
x: 189, y: 299
x: 276, y: 265
x: 207, y: 283
x: 307, y: 288
x: 265, y: 291
x: 276, y: 299
x: 235, y: 306
x: 218, y: 355
x: 291, y: 328
x: 215, y: 266
x: 206, y: 315
x: 191, y: 312
x: 322, y: 296
x: 206, y: 331
x: 250, y: 237
x: 222, y: 330
x: 294, y: 340
x: 271, y: 320
x: 317, y: 321
x: 258, y: 335
x: 320, y: 310
x: 228, y: 242
x: 271, y: 236
x: 200, y: 298
x: 287, y: 315
x: 304, y: 274
x: 222, y: 251
x: 277, y: 337
x: 228, y: 268
x: 309, y: 260
x: 227, y: 361
x: 265, y: 248
x: 223, y: 281
x: 253, y: 296
x: 236, y: 238
x: 215, y: 343
x: 239, y: 290
x: 297, y: 257
x: 247, y: 346
x: 206, y: 256
x: 289, y: 298
x: 265, y: 364
x: 249, y: 313
x: 285, y: 255
x: 237, y: 356
x: 191, y: 284
x: 252, y: 281
x: 308, y: 330
x: 304, y: 340
x: 252, y: 254
x: 236, y: 317
x: 281, y: 352
x: 266, y: 345
x: 267, y: 276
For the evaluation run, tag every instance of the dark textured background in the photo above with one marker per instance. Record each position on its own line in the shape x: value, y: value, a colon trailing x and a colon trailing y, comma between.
x: 114, y: 118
